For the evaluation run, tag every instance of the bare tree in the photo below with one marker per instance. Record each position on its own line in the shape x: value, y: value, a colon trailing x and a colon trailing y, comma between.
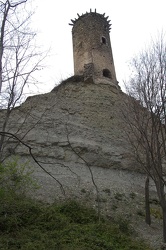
x: 146, y: 117
x: 19, y: 58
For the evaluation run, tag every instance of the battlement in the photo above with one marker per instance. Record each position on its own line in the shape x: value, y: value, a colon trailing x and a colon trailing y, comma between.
x: 95, y: 15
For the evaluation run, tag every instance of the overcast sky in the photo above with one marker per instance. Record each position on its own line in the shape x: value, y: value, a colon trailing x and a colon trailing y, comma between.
x: 134, y: 23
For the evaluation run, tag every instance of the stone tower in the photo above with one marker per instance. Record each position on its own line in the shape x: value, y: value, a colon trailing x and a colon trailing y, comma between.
x: 92, y: 48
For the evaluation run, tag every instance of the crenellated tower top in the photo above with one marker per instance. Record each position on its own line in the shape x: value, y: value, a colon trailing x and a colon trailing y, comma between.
x: 92, y: 48
x: 105, y: 19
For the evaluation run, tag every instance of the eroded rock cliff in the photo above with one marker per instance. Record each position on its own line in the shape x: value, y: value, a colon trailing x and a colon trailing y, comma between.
x: 87, y: 115
x: 77, y: 122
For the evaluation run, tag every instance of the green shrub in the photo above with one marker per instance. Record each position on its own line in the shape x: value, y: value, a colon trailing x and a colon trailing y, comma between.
x: 132, y: 195
x: 156, y: 212
x: 83, y: 190
x: 27, y: 224
x: 124, y: 225
x: 67, y: 226
x: 107, y: 191
x: 15, y: 178
x: 77, y: 213
x: 119, y: 196
x: 140, y: 212
x: 15, y: 182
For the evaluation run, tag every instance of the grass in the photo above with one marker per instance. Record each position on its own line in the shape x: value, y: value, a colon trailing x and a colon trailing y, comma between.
x: 156, y: 213
x: 29, y: 225
x: 73, y: 79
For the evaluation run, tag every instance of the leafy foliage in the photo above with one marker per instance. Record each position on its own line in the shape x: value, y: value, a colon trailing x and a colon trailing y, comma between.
x: 32, y: 225
x: 15, y: 178
x: 28, y: 224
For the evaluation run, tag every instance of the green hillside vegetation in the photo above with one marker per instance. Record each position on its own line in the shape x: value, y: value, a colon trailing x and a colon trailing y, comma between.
x: 27, y: 224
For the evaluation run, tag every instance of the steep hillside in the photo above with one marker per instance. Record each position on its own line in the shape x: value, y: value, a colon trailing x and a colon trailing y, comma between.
x: 76, y: 126
x: 89, y: 115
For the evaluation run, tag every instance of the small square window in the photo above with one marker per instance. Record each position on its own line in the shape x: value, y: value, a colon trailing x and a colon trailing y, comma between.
x: 103, y: 40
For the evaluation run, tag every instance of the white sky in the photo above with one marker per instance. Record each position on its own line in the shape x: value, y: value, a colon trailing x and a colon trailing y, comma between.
x: 134, y: 23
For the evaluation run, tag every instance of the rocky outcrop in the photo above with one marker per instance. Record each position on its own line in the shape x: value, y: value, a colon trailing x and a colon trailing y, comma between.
x: 77, y: 122
x: 87, y: 115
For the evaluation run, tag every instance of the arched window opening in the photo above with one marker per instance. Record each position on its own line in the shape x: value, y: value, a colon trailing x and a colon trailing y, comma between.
x: 106, y: 73
x: 103, y: 40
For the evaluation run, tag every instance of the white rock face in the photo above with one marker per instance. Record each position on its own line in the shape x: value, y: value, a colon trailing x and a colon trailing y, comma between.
x: 76, y: 116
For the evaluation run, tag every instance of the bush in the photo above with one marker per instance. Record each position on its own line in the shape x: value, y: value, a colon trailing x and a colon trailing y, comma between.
x: 27, y: 224
x: 67, y: 226
x: 156, y: 212
x: 77, y: 213
x: 15, y: 182
x: 15, y: 178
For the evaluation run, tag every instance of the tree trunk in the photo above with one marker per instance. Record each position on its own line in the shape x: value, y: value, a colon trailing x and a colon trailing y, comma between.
x: 147, y: 204
x: 161, y: 193
x: 164, y: 223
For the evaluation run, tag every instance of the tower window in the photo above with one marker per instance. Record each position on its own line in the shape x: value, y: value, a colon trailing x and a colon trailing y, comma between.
x: 106, y: 73
x: 103, y: 40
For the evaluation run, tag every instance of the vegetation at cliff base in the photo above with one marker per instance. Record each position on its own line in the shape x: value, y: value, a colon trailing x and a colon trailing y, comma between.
x: 28, y: 225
